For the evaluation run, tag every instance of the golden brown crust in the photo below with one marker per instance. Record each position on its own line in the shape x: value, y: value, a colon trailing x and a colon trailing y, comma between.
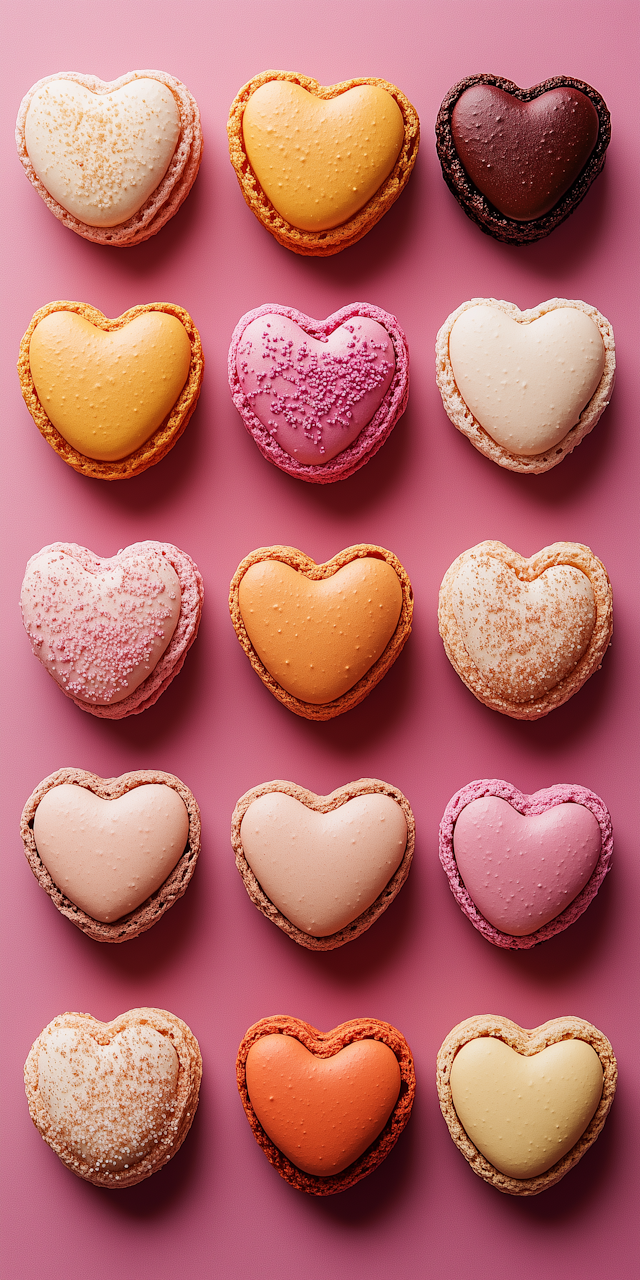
x: 149, y: 911
x: 163, y: 438
x: 526, y: 1043
x: 321, y: 243
x: 559, y: 553
x: 462, y: 417
x: 186, y: 1098
x: 325, y: 1045
x: 323, y: 804
x: 305, y: 565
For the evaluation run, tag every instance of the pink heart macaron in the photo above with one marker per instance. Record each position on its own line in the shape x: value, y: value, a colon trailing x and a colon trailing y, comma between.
x: 113, y: 631
x: 319, y: 397
x: 524, y: 867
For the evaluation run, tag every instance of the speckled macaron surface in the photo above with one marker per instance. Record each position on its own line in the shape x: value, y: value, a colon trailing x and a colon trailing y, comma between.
x: 524, y: 634
x: 112, y: 397
x: 326, y: 1107
x: 358, y: 141
x: 114, y: 1100
x: 112, y: 160
x: 319, y: 397
x: 522, y: 1106
x: 112, y: 631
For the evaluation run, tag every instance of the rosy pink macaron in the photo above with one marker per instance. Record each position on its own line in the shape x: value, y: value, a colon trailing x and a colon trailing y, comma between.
x: 319, y: 397
x: 113, y: 631
x: 524, y: 867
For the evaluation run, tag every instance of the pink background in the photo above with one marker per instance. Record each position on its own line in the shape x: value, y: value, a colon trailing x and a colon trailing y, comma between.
x: 219, y: 1209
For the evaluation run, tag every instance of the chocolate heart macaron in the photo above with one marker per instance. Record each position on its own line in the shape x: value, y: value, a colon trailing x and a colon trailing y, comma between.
x: 113, y: 631
x: 524, y: 867
x: 321, y: 636
x: 319, y: 397
x: 524, y: 634
x: 326, y: 1107
x: 112, y: 397
x: 112, y: 853
x: 323, y: 868
x: 525, y: 387
x: 523, y: 1107
x: 114, y: 1100
x: 319, y: 165
x: 113, y: 160
x: 519, y: 161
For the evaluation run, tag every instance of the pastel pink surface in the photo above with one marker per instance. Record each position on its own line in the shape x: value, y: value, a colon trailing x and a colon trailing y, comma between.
x: 319, y: 397
x: 522, y: 867
x: 219, y: 1208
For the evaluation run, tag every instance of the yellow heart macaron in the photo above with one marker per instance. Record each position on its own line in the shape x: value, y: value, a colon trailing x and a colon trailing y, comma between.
x: 111, y: 396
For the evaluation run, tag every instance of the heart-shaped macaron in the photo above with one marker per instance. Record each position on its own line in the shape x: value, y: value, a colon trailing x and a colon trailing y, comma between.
x: 519, y: 161
x: 525, y: 387
x: 319, y: 397
x: 112, y: 853
x: 323, y: 868
x: 321, y: 636
x: 325, y: 1108
x: 524, y: 867
x: 112, y: 631
x: 524, y: 1106
x: 112, y: 397
x: 525, y: 634
x: 319, y: 165
x: 115, y: 1100
x: 113, y: 160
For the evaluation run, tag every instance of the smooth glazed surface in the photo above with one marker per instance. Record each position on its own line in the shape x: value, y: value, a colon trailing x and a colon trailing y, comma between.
x: 313, y: 396
x: 524, y: 637
x: 318, y: 638
x: 526, y: 384
x: 523, y: 156
x: 106, y: 393
x: 320, y: 160
x: 322, y: 870
x: 99, y: 634
x: 108, y: 856
x: 522, y: 871
x: 322, y: 1112
x: 101, y: 155
x: 525, y: 1113
x: 109, y: 1103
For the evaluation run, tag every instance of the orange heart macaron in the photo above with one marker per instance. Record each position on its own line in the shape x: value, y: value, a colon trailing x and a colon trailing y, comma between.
x: 112, y: 397
x: 321, y: 636
x: 112, y: 159
x: 319, y: 165
x: 113, y: 854
x: 114, y: 1100
x: 326, y: 1107
x: 522, y: 1106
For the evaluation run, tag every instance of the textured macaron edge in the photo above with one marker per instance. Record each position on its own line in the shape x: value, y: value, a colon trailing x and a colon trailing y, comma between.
x: 325, y: 1045
x: 171, y: 661
x: 462, y: 417
x: 321, y: 243
x: 170, y: 192
x: 526, y: 1043
x: 163, y: 438
x: 475, y: 205
x: 323, y: 804
x: 573, y: 554
x: 310, y: 569
x: 153, y: 908
x: 527, y: 805
x: 373, y: 434
x: 187, y: 1091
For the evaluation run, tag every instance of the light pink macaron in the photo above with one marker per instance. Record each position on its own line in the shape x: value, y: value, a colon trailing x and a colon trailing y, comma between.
x: 524, y: 867
x: 319, y: 397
